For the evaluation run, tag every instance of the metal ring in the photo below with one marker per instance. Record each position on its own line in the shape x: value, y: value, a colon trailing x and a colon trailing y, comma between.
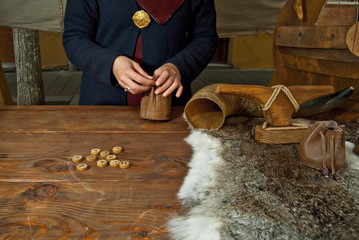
x: 127, y: 89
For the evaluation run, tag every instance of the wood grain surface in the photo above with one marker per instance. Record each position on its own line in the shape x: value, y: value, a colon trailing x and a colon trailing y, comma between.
x: 42, y: 196
x: 314, y: 51
x: 302, y: 36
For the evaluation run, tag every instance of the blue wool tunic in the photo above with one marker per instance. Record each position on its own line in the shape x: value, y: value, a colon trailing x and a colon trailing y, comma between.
x: 97, y: 31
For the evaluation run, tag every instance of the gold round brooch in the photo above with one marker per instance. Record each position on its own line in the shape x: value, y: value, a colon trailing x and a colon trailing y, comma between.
x: 141, y: 19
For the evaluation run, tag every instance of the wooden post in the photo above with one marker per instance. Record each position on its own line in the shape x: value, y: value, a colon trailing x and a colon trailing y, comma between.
x: 5, y: 96
x: 30, y: 88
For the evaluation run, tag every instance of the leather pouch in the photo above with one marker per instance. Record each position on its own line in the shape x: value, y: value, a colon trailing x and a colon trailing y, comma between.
x: 323, y: 147
x: 155, y: 107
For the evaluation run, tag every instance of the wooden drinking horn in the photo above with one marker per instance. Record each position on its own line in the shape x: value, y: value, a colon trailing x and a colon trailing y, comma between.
x: 278, y: 102
x: 207, y: 109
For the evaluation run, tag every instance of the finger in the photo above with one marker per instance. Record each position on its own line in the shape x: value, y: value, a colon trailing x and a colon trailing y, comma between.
x: 170, y: 89
x: 179, y: 91
x: 139, y: 89
x: 142, y: 89
x: 122, y: 81
x: 134, y: 87
x: 127, y: 82
x: 162, y: 78
x: 164, y: 86
x: 157, y: 74
x: 140, y: 79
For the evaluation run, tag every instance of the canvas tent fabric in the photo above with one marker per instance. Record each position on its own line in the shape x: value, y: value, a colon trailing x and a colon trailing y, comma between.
x: 247, y: 17
x: 45, y: 15
x: 234, y: 17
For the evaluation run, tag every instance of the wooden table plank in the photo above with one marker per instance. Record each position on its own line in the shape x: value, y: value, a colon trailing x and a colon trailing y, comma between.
x: 34, y: 157
x: 53, y: 210
x: 43, y: 196
x: 85, y: 118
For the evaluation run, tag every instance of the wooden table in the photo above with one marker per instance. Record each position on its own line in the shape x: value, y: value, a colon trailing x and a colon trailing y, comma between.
x: 42, y: 195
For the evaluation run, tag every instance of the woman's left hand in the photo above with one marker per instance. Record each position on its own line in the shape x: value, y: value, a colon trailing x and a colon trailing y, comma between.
x: 167, y: 79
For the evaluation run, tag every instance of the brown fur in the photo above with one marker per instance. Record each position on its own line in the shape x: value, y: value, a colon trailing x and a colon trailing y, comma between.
x: 264, y: 192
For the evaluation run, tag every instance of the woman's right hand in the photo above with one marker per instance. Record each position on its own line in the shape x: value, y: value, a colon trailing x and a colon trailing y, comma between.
x: 130, y: 74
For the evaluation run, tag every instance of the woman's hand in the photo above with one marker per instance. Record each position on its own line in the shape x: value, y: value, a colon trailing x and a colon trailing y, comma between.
x: 129, y: 74
x: 167, y: 79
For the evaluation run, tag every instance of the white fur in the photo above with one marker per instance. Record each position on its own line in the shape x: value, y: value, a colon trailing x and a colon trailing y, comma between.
x: 198, y: 224
x: 351, y: 159
x: 201, y: 174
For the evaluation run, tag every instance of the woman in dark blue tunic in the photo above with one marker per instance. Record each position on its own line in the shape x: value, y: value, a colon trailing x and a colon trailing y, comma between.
x: 117, y: 53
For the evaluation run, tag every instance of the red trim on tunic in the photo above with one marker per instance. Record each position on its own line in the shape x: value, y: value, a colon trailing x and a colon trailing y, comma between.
x: 135, y: 99
x: 160, y: 10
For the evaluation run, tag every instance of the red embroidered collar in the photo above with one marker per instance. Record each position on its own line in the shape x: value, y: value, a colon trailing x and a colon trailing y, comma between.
x: 160, y: 10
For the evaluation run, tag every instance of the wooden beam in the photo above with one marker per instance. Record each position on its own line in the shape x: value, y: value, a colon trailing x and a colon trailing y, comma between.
x: 338, y: 55
x: 312, y: 37
x: 329, y: 68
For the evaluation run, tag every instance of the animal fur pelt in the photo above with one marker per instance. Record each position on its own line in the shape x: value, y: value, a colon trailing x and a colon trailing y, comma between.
x: 239, y: 189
